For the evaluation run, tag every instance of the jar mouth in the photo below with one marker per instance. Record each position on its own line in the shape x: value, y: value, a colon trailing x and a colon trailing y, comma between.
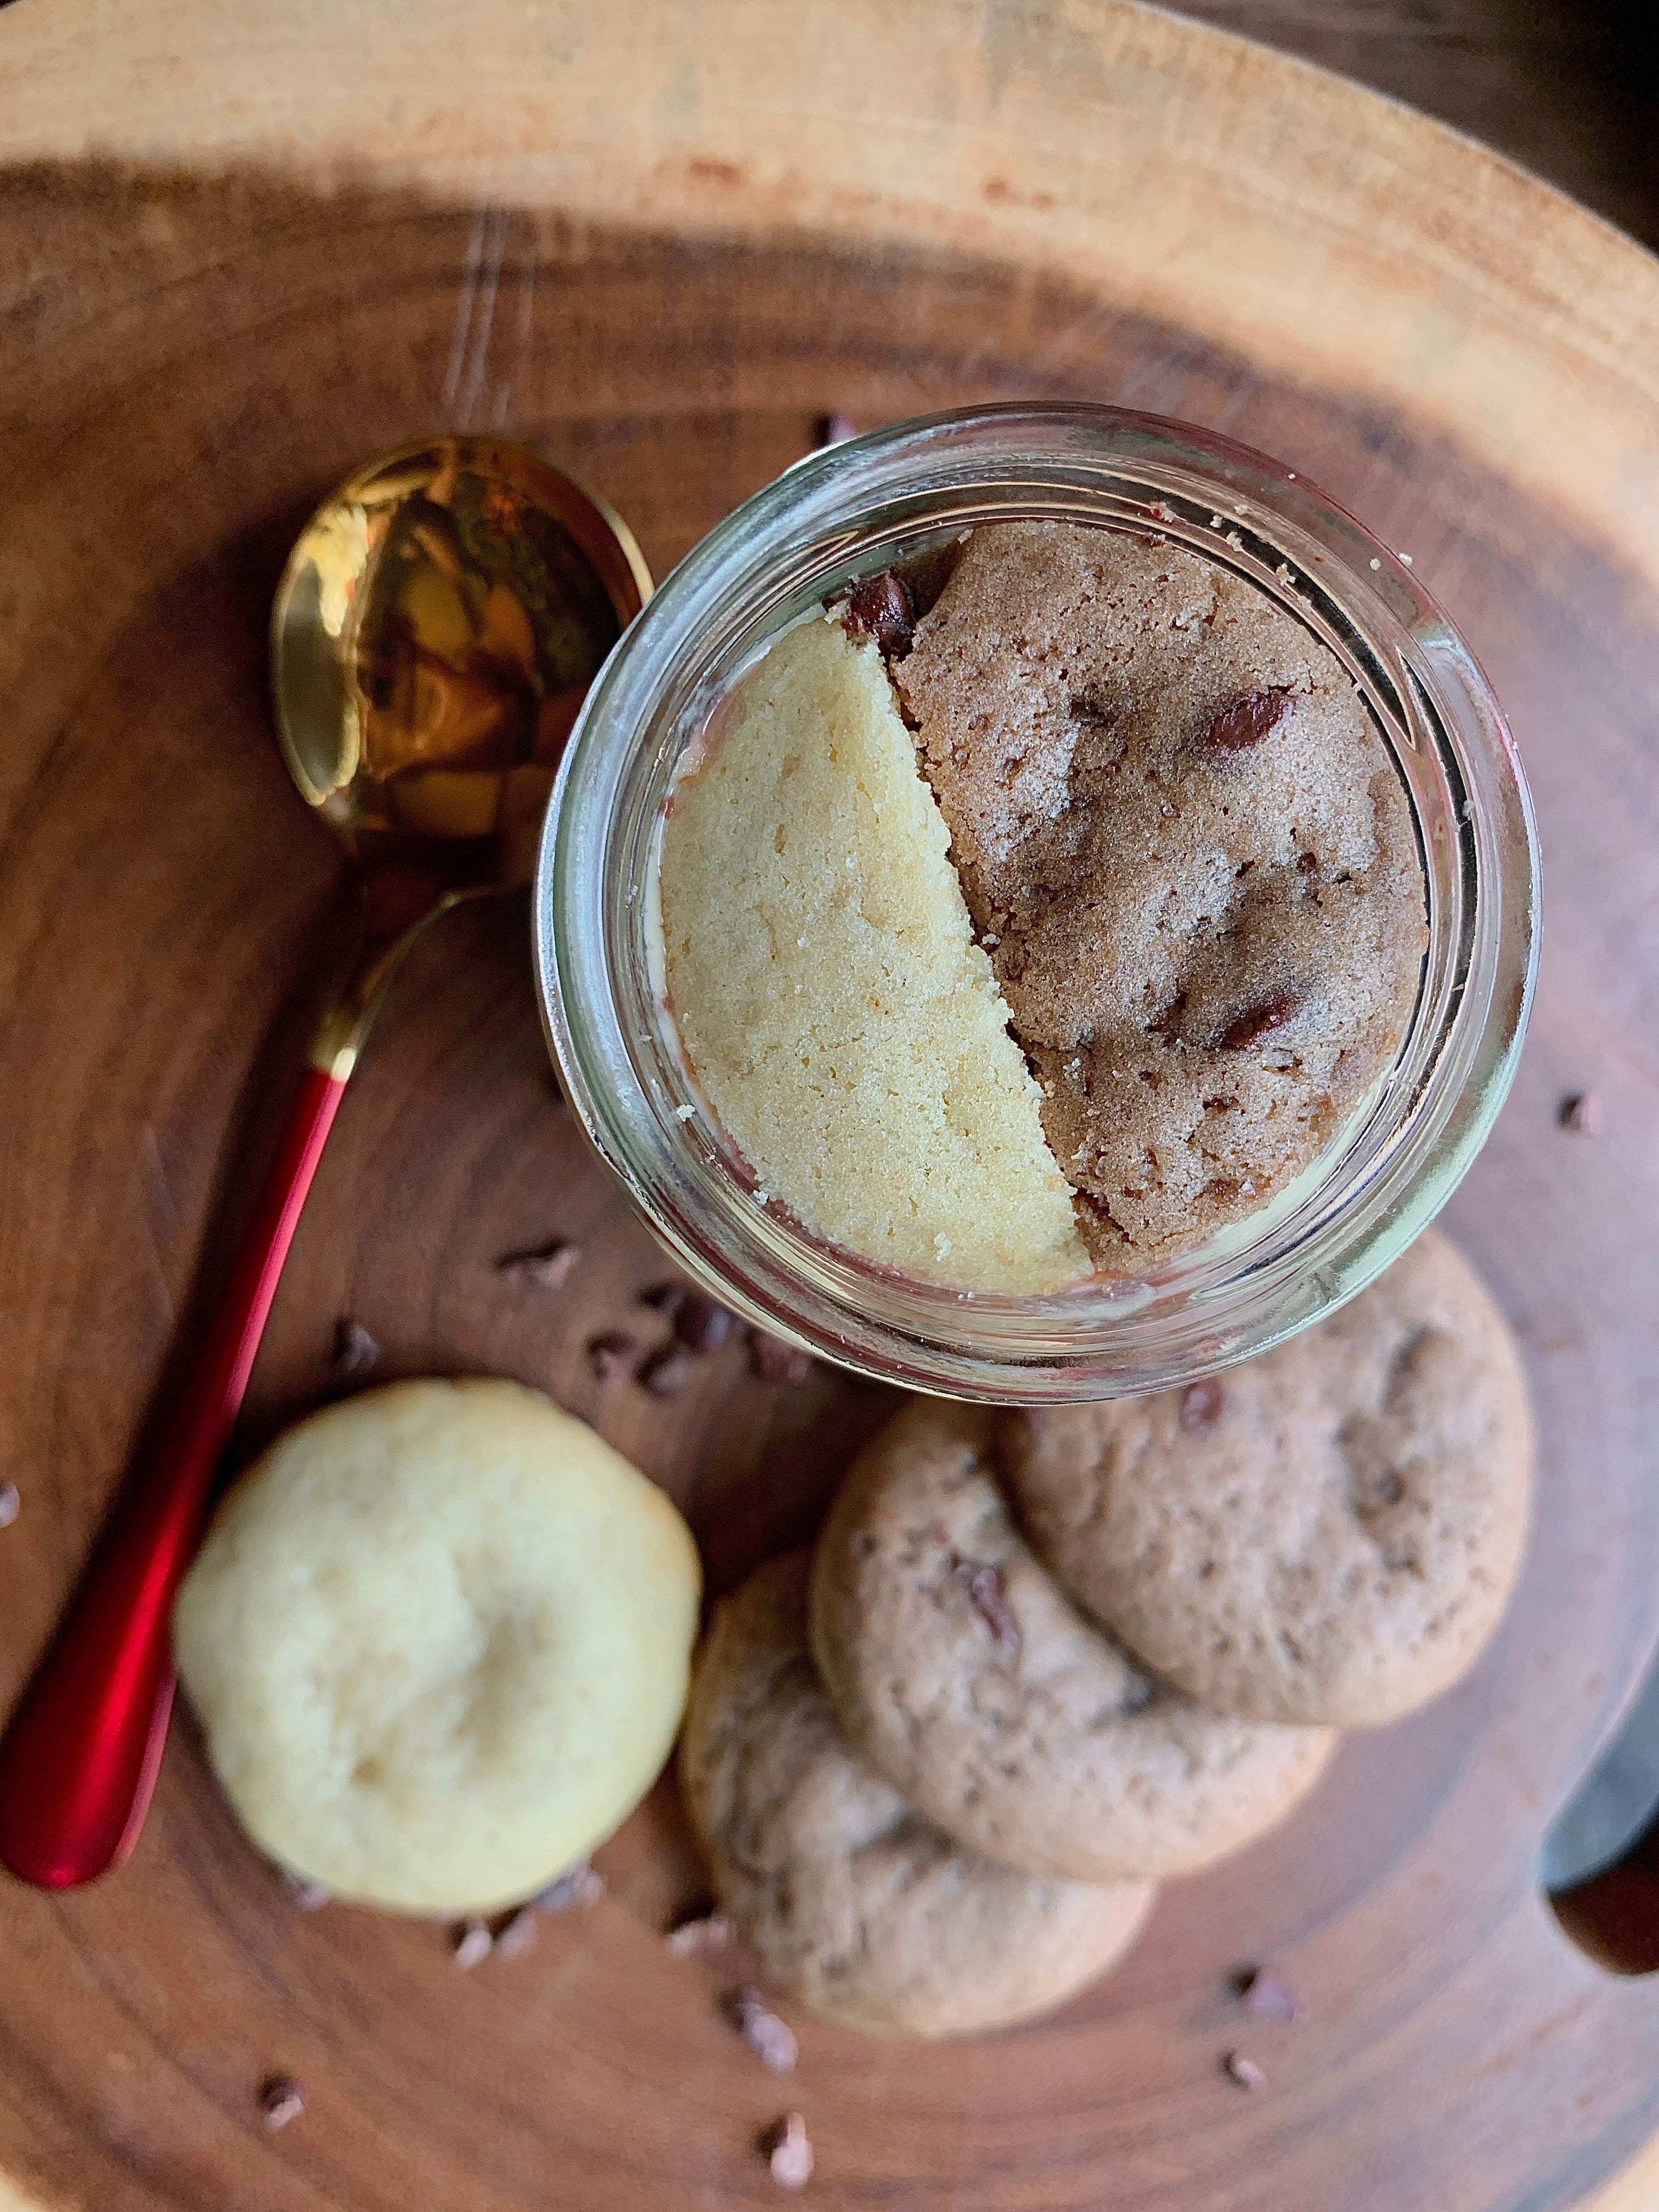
x: 847, y: 510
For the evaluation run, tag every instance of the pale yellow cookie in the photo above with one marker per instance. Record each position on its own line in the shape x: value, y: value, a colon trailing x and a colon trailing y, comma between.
x: 439, y: 1638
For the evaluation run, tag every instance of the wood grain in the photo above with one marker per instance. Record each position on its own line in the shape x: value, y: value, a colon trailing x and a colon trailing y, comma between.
x: 190, y: 353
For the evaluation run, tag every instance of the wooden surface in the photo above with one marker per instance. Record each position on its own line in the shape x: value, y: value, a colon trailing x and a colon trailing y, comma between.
x: 230, y: 267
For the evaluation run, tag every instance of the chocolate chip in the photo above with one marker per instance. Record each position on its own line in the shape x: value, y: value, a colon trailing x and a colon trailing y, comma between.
x: 516, y: 1934
x: 771, y: 2039
x: 1260, y: 1020
x: 473, y: 1944
x: 583, y: 1886
x: 835, y: 429
x: 1247, y: 721
x: 1581, y: 1113
x: 701, y: 1325
x: 549, y: 1268
x: 281, y: 2100
x: 666, y: 1373
x: 1201, y: 1406
x: 665, y: 1299
x: 309, y: 1896
x: 709, y: 1931
x: 1244, y: 2070
x: 984, y: 1585
x: 774, y: 1361
x: 11, y: 1504
x: 613, y: 1357
x: 789, y: 2150
x: 880, y: 608
x: 1266, y: 1995
x: 354, y: 1350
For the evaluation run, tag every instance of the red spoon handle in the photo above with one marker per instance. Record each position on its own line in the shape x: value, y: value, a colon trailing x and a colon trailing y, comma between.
x: 79, y: 1759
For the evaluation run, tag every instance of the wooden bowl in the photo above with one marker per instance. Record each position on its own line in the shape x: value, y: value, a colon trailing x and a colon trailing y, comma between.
x: 241, y: 249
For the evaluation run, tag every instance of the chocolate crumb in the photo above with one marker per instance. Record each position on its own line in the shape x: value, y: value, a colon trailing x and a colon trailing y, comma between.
x: 1201, y: 1406
x: 708, y: 1931
x: 1266, y: 1995
x: 473, y: 1944
x: 354, y: 1350
x: 701, y: 1325
x: 583, y: 1886
x: 774, y: 1361
x: 1581, y: 1113
x: 835, y: 429
x: 549, y: 1268
x: 984, y: 1585
x: 1260, y: 1020
x: 281, y: 2100
x: 666, y: 1373
x: 789, y: 2150
x: 1244, y: 2070
x: 11, y: 1504
x: 516, y: 1934
x: 771, y: 2039
x: 1247, y: 721
x: 880, y: 608
x: 309, y: 1896
x: 613, y: 1357
x: 665, y: 1299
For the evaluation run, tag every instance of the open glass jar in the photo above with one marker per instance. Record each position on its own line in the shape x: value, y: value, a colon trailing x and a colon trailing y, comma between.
x: 851, y: 511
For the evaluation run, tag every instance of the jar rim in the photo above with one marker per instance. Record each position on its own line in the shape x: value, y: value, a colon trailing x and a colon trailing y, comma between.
x: 1379, y: 1182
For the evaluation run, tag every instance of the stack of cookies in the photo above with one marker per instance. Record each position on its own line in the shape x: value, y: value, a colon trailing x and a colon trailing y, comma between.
x: 1039, y: 1663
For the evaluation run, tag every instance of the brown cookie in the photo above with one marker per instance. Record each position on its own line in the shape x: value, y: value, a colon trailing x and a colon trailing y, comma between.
x: 1327, y: 1535
x: 853, y: 1902
x: 1190, y: 856
x: 959, y: 1667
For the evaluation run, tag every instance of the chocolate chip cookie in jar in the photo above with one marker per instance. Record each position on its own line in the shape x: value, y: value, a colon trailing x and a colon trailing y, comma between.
x: 1041, y: 906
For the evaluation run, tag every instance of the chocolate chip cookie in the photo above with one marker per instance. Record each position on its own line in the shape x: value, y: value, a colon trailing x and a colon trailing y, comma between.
x: 959, y: 1667
x: 853, y: 1901
x: 1327, y: 1535
x: 1190, y: 856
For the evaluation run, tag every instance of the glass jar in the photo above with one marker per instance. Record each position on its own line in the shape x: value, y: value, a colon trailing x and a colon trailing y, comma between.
x: 852, y: 510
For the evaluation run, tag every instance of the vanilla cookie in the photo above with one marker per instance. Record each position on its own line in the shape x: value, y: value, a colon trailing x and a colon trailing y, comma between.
x: 439, y: 1638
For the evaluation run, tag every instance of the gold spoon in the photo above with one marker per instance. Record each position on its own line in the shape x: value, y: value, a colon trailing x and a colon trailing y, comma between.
x: 437, y: 627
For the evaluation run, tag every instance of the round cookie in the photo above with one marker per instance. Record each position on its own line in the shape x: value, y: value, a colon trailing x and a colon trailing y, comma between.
x: 439, y: 1637
x: 1325, y: 1534
x: 853, y: 1902
x: 958, y: 1666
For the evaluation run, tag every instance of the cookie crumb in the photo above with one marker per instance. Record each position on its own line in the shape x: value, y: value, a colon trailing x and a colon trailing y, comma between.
x: 582, y: 1886
x: 548, y: 1268
x: 1580, y: 1113
x: 309, y: 1896
x: 613, y: 1356
x: 281, y: 2100
x: 1201, y: 1406
x: 11, y: 1504
x: 1266, y: 1995
x: 666, y: 1373
x: 1244, y: 2070
x: 473, y: 1944
x: 788, y: 2149
x: 774, y: 1361
x: 354, y: 1350
x: 708, y: 1931
x: 703, y: 1326
x: 983, y: 1585
x: 516, y: 1934
x: 771, y: 2039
